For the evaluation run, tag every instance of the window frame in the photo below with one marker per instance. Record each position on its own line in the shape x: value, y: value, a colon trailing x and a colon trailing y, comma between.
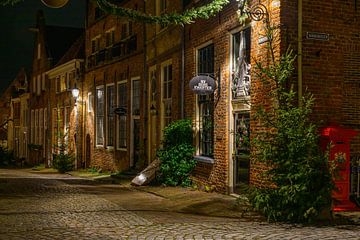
x: 118, y: 146
x: 200, y: 103
x: 110, y: 114
x: 97, y: 144
x: 165, y: 99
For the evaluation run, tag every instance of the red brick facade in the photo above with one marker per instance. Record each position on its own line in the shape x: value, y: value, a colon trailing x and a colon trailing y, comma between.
x: 163, y: 60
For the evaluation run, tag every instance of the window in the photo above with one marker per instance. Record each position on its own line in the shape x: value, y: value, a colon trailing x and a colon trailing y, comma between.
x: 90, y: 102
x: 16, y: 110
x: 95, y: 44
x: 45, y: 128
x: 161, y: 9
x: 32, y: 130
x: 205, y: 64
x: 241, y: 63
x: 167, y: 93
x: 41, y: 126
x: 38, y: 51
x: 38, y: 85
x: 122, y: 103
x: 136, y: 97
x: 126, y: 30
x: 61, y: 128
x: 58, y: 84
x: 100, y: 116
x: 55, y: 138
x: 43, y: 82
x: 110, y: 37
x: 67, y: 128
x: 36, y: 126
x: 110, y: 105
x: 34, y: 85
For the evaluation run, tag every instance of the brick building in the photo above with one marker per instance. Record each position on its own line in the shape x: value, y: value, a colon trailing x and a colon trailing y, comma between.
x: 114, y: 83
x: 165, y: 74
x: 17, y: 116
x: 328, y: 67
x: 66, y: 112
x: 50, y: 44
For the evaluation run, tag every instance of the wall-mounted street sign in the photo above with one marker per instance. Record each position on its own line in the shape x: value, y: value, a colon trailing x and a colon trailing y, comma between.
x: 263, y: 39
x: 202, y: 85
x: 121, y: 111
x: 317, y: 36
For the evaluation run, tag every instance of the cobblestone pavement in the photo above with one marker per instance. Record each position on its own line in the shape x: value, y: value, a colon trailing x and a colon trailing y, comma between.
x: 60, y: 207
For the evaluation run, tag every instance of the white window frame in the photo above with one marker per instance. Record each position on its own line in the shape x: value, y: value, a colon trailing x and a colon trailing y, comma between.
x: 96, y: 121
x: 90, y: 102
x: 197, y: 109
x: 118, y: 117
x: 107, y: 109
x: 163, y: 65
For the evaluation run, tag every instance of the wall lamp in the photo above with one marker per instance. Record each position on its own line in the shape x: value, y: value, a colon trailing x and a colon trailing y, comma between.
x: 75, y: 93
x: 256, y: 12
x: 153, y: 110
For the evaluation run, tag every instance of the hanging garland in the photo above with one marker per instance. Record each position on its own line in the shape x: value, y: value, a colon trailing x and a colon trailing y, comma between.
x: 9, y: 2
x: 186, y: 17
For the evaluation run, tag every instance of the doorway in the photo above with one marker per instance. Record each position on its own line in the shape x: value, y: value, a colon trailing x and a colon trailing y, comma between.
x: 241, y: 156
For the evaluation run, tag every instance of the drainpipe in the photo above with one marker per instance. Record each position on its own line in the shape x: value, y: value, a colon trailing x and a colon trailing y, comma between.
x: 182, y: 83
x: 300, y: 31
x: 145, y: 95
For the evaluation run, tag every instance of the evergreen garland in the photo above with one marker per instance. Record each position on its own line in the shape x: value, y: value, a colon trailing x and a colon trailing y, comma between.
x: 186, y: 17
x: 9, y: 2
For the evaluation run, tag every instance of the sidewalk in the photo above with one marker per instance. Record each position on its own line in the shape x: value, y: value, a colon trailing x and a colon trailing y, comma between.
x: 178, y: 199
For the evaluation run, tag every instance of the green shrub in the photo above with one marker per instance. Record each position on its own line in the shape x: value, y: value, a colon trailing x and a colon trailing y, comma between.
x: 177, y: 133
x: 63, y: 162
x: 176, y: 156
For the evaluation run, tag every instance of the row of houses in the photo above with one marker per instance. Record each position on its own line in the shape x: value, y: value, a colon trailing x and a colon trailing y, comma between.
x: 133, y: 79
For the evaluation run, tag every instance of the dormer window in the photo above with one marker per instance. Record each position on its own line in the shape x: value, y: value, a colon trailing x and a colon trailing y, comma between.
x: 110, y: 37
x: 95, y: 44
x: 126, y: 30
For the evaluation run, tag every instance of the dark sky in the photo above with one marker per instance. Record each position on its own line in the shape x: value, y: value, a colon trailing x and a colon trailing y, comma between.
x: 16, y: 41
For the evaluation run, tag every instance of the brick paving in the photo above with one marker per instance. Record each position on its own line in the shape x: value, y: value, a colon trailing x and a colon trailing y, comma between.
x: 60, y: 207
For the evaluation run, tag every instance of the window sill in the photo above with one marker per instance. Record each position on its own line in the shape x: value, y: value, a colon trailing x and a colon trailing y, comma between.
x: 204, y: 159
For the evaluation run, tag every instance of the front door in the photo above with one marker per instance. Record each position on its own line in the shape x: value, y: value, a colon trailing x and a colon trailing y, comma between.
x: 136, y: 143
x: 241, y: 156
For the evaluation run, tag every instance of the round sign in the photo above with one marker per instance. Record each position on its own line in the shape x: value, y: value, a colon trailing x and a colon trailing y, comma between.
x: 202, y: 85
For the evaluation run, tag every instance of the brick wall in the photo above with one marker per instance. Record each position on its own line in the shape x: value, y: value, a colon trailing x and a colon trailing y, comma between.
x: 217, y: 30
x: 111, y: 71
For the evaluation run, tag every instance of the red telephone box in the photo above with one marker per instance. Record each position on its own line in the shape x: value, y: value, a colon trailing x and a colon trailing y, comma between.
x: 340, y: 153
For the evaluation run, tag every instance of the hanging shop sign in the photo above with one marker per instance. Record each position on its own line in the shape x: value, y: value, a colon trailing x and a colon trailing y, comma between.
x: 202, y: 85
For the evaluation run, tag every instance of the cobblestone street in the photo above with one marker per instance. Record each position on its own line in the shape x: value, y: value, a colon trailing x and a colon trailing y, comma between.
x: 54, y: 206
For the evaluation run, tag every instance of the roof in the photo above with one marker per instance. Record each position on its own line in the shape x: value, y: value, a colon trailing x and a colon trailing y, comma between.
x: 76, y: 51
x: 59, y: 39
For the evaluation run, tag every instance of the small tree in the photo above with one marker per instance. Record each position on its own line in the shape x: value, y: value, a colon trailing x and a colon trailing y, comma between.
x: 176, y: 156
x: 289, y: 146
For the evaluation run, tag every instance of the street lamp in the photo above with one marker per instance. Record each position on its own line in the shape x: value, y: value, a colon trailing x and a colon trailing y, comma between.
x: 256, y: 12
x: 54, y: 3
x: 75, y: 93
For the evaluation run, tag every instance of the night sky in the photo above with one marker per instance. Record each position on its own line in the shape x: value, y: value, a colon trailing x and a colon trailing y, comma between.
x: 16, y: 41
